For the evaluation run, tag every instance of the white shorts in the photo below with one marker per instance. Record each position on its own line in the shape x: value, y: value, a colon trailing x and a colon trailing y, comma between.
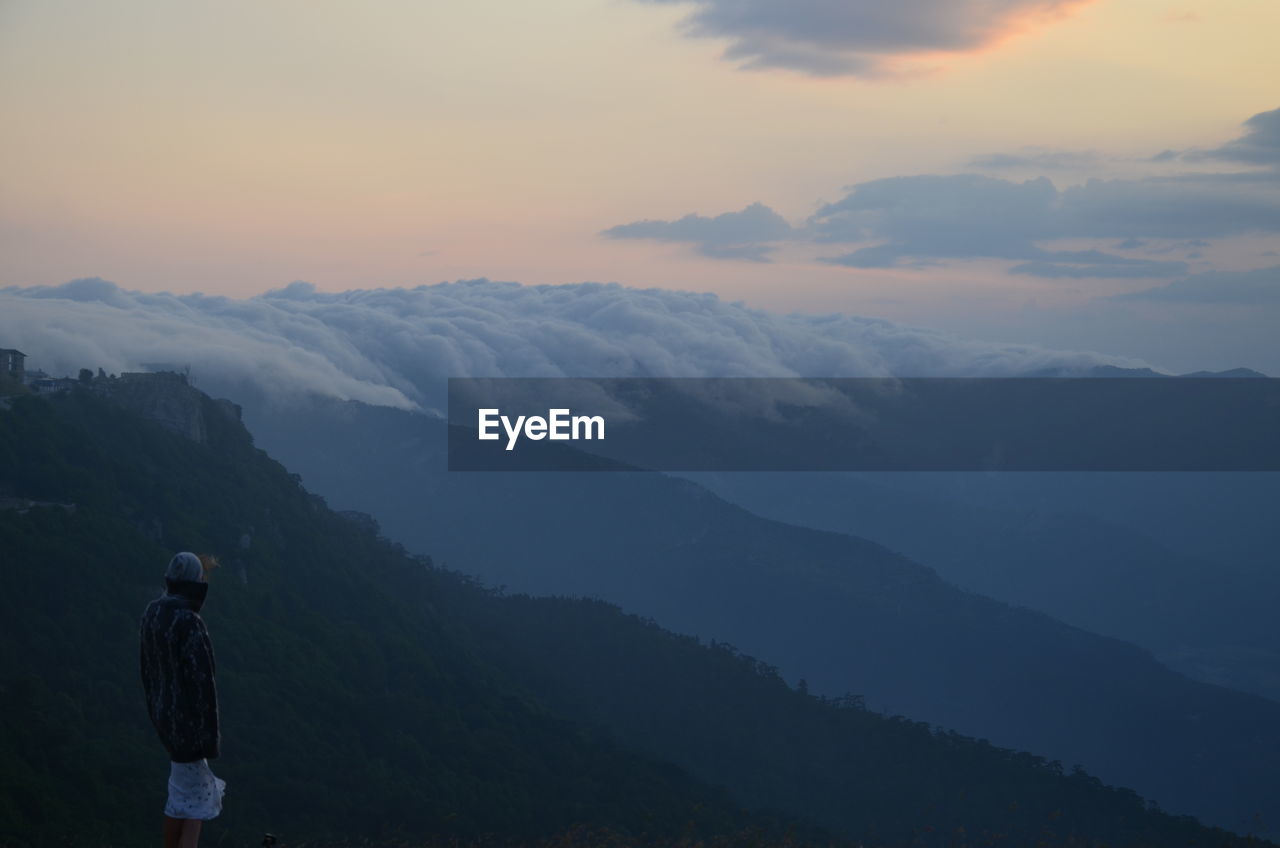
x: 194, y: 792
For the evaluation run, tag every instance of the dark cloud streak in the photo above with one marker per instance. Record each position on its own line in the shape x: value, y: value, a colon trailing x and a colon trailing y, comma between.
x: 1258, y: 287
x: 744, y: 235
x: 1054, y: 160
x: 855, y: 37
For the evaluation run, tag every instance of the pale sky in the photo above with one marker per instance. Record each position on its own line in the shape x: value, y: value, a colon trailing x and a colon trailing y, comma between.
x: 234, y: 147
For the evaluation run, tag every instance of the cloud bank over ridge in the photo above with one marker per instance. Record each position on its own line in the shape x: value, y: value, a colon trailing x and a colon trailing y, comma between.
x: 396, y: 347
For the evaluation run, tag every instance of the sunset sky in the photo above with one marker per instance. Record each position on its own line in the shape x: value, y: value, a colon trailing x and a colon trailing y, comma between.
x: 1099, y: 175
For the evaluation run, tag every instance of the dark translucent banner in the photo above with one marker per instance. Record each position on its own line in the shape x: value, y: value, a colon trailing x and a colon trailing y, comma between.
x: 876, y: 424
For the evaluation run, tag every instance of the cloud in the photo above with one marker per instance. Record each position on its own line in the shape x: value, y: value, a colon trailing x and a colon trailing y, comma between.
x: 1188, y: 246
x: 922, y: 220
x: 1195, y: 206
x: 1038, y: 158
x: 940, y: 216
x: 1257, y: 287
x: 1259, y: 145
x: 733, y: 235
x: 397, y: 347
x: 1091, y: 263
x: 927, y: 218
x: 858, y: 37
x: 94, y: 323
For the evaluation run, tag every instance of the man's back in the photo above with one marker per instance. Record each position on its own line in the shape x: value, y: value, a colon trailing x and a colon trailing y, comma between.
x: 177, y: 667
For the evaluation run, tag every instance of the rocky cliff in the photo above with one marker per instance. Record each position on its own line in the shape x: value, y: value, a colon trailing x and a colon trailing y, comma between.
x: 167, y: 398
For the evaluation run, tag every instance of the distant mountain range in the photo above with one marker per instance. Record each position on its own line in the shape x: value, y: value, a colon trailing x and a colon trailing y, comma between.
x: 841, y: 612
x: 1117, y: 371
x: 1209, y: 615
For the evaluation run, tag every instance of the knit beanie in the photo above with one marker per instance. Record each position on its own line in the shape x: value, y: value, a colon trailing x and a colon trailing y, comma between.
x: 185, y: 566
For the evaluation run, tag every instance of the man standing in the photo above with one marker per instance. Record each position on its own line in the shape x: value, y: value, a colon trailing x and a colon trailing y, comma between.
x: 177, y: 679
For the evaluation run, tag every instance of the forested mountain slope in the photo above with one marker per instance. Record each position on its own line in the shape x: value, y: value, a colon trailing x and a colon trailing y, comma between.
x: 844, y: 613
x: 368, y: 694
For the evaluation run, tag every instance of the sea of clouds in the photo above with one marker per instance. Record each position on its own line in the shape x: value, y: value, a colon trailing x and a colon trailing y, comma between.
x: 396, y: 347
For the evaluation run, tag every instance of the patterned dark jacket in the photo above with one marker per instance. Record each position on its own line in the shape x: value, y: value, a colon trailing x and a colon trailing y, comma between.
x: 177, y: 672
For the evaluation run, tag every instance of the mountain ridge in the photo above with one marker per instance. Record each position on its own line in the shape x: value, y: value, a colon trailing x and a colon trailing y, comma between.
x: 319, y: 603
x: 680, y: 555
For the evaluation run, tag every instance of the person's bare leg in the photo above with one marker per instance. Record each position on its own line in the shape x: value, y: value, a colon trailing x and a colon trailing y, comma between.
x: 172, y: 831
x: 190, y: 833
